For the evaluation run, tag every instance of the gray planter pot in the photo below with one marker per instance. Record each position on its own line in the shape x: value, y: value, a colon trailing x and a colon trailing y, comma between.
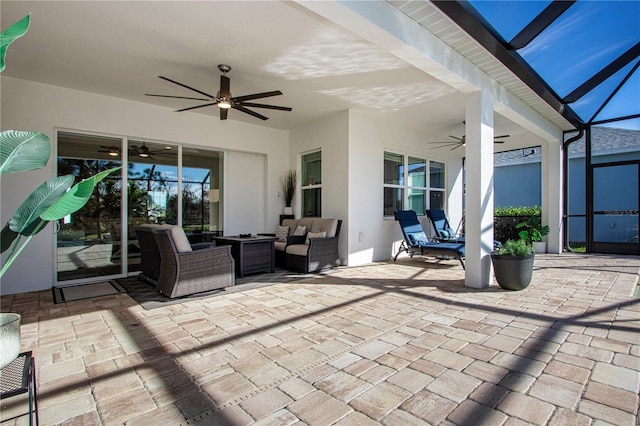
x: 9, y: 338
x: 513, y: 272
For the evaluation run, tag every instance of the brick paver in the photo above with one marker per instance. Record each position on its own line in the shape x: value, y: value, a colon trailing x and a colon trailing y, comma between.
x: 389, y: 343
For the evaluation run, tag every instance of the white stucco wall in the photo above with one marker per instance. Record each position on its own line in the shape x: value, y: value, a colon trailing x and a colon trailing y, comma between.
x: 353, y: 145
x: 371, y: 236
x: 45, y: 108
x: 331, y: 136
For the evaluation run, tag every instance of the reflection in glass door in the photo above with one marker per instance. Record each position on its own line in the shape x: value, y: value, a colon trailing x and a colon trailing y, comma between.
x: 88, y: 241
x: 99, y: 242
x: 616, y: 194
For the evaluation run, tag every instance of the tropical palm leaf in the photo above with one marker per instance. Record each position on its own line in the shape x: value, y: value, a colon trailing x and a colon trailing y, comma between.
x: 76, y: 198
x: 38, y: 202
x: 9, y: 35
x: 22, y: 151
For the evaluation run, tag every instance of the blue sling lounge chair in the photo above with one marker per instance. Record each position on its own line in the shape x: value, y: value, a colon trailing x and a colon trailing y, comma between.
x: 443, y: 230
x: 415, y: 240
x: 442, y: 227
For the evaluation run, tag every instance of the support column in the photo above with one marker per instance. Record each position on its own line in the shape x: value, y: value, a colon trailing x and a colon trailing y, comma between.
x: 551, y: 169
x: 479, y: 190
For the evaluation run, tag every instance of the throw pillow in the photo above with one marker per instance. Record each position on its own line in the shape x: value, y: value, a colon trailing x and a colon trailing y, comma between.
x: 446, y: 234
x: 310, y: 235
x: 180, y: 240
x: 300, y: 230
x: 417, y: 238
x: 282, y: 232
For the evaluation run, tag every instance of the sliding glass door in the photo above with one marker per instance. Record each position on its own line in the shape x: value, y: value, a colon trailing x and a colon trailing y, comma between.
x: 89, y: 242
x: 165, y: 184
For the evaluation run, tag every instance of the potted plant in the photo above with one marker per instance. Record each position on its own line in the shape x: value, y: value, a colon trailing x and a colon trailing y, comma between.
x: 513, y: 264
x: 22, y: 151
x: 289, y: 182
x: 532, y: 231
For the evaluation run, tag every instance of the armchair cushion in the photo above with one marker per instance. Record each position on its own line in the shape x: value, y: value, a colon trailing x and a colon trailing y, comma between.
x: 180, y: 240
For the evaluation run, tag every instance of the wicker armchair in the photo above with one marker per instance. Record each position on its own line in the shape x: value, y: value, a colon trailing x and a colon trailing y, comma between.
x: 184, y: 273
x: 149, y: 254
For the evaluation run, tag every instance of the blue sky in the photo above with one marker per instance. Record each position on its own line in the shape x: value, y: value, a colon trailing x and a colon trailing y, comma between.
x: 587, y: 37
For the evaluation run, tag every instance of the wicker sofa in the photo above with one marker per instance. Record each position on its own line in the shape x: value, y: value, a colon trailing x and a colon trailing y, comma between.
x: 316, y: 249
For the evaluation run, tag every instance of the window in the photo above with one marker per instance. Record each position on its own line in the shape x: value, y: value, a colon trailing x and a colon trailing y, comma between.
x: 311, y: 184
x: 393, y: 182
x: 437, y: 190
x: 406, y: 185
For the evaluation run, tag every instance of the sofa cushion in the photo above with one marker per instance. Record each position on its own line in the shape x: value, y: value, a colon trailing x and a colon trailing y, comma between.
x: 291, y: 223
x: 330, y: 226
x: 297, y: 249
x: 180, y: 240
x: 307, y: 221
x: 282, y: 232
x: 310, y: 235
x: 300, y: 230
x: 280, y: 245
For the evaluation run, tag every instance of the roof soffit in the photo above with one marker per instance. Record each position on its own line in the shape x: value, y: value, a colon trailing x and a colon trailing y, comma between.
x: 429, y: 17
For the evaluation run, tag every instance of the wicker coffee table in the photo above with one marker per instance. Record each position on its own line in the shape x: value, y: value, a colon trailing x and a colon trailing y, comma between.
x: 251, y: 254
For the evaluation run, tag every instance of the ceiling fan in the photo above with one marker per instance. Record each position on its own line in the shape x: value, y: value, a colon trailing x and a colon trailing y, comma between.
x: 142, y: 151
x: 458, y: 142
x: 223, y: 98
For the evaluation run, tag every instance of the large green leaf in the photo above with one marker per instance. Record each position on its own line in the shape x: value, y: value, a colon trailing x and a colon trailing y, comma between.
x: 9, y: 35
x: 7, y: 236
x: 46, y: 195
x: 21, y: 151
x: 76, y: 198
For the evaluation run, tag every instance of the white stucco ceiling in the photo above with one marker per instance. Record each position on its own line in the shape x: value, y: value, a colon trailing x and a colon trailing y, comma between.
x: 119, y: 49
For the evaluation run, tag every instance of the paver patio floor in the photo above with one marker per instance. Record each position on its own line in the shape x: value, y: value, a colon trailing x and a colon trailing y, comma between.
x: 401, y: 343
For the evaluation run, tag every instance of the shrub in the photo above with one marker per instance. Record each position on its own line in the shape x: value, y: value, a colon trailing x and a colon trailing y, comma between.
x: 514, y: 248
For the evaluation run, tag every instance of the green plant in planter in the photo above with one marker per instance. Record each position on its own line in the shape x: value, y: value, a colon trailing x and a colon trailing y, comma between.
x: 518, y: 247
x: 532, y: 229
x: 289, y: 182
x: 22, y: 151
x: 513, y: 264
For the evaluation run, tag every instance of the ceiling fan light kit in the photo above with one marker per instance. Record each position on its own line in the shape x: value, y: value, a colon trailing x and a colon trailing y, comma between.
x: 223, y: 98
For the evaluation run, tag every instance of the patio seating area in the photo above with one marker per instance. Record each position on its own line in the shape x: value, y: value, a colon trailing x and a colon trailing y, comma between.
x: 393, y: 343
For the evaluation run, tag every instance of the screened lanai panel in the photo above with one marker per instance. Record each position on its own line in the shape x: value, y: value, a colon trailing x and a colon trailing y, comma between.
x: 570, y: 52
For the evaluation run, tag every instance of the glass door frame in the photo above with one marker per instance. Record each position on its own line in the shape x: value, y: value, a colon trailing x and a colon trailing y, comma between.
x: 594, y: 246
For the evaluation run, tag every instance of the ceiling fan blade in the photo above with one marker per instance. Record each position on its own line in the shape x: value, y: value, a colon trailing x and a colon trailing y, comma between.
x: 177, y: 97
x: 457, y: 138
x: 257, y: 96
x: 456, y: 147
x: 248, y: 111
x: 186, y: 87
x: 197, y: 106
x: 225, y: 86
x: 251, y: 104
x: 498, y: 141
x: 501, y: 136
x: 223, y: 113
